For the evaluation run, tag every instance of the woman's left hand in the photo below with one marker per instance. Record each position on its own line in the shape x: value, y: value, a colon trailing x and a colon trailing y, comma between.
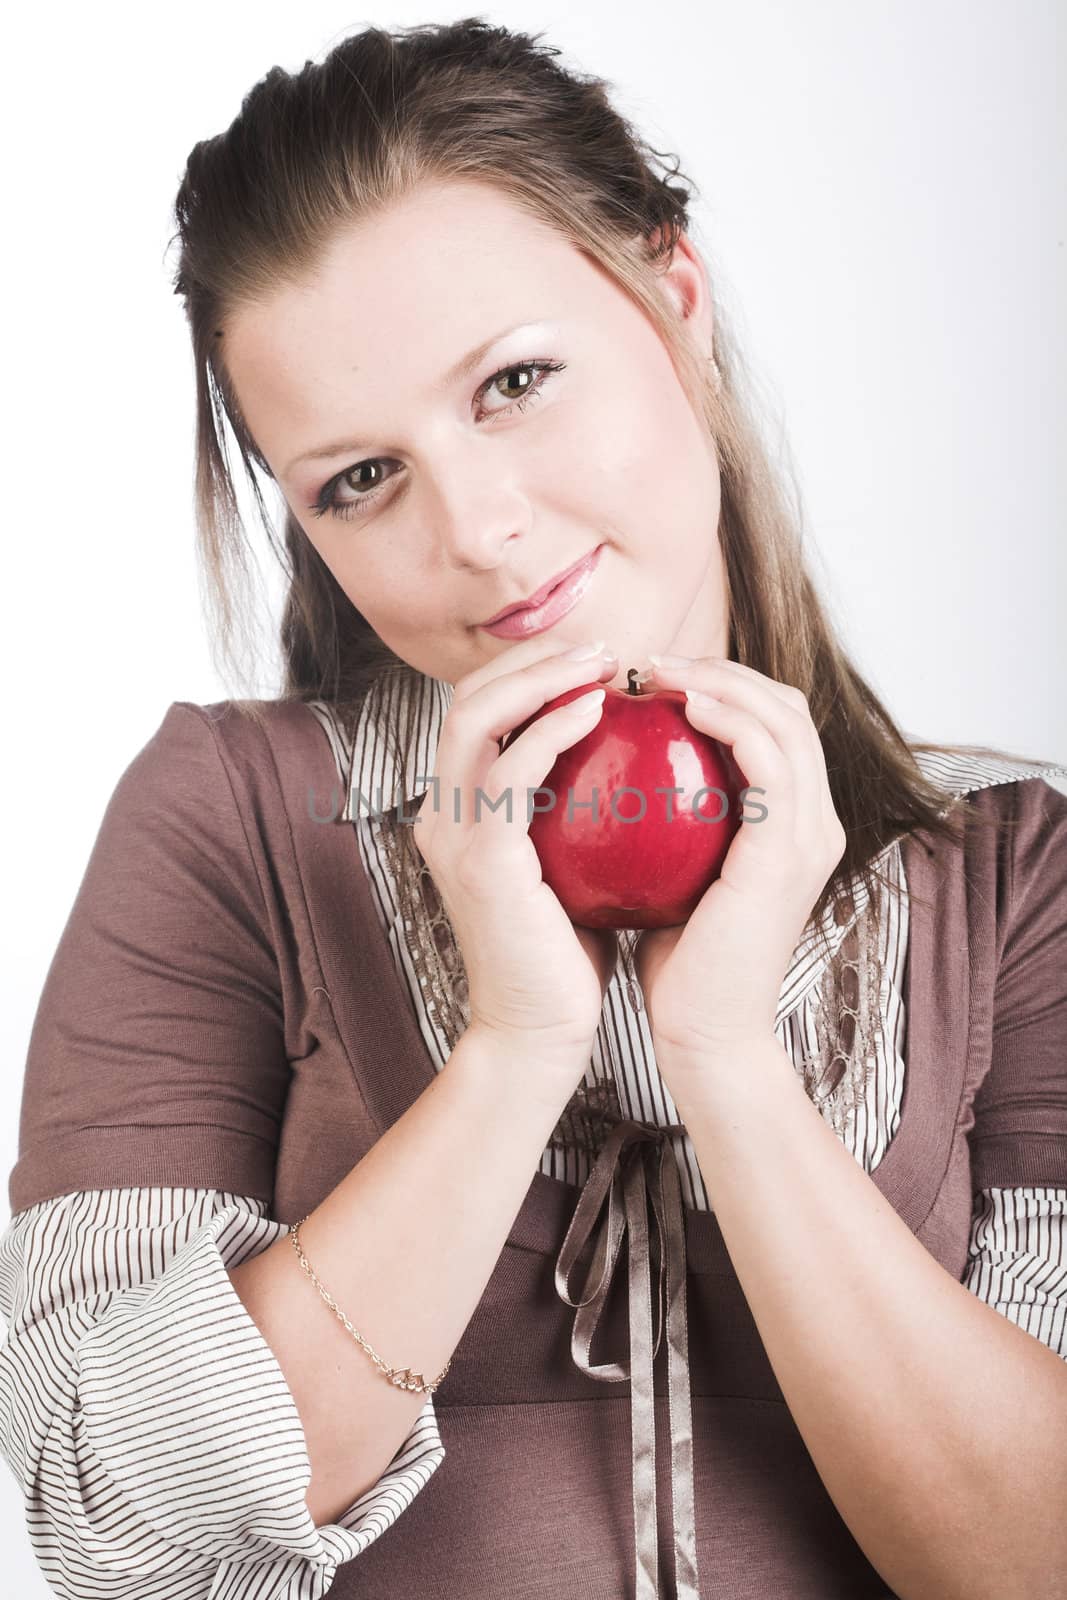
x: 714, y: 982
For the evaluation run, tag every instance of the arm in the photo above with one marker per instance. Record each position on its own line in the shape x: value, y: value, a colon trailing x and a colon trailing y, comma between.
x: 937, y: 1425
x: 405, y: 1244
x: 160, y: 1048
x: 146, y: 1422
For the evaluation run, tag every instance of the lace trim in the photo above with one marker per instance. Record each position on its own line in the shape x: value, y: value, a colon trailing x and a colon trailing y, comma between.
x: 847, y: 1012
x: 437, y: 959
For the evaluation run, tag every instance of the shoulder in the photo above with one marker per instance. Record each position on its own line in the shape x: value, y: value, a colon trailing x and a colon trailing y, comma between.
x: 1027, y: 794
x: 967, y: 769
x: 210, y: 794
x: 231, y: 726
x: 1012, y: 854
x: 234, y: 748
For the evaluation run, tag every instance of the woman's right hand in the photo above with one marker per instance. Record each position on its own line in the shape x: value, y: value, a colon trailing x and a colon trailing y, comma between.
x: 535, y: 979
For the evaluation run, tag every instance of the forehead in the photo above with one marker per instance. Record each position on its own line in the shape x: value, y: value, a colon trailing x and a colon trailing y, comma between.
x: 398, y: 298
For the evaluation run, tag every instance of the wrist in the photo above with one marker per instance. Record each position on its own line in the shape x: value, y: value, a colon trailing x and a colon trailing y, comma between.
x: 523, y: 1067
x: 722, y: 1059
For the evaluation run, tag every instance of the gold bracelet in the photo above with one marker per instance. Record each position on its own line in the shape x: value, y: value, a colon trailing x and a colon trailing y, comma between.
x: 403, y: 1380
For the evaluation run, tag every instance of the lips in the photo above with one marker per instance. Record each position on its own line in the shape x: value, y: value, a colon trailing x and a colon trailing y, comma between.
x: 539, y: 596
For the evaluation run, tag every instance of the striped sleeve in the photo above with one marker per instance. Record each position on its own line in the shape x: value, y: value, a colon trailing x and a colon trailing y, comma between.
x: 1018, y: 1259
x: 149, y: 1425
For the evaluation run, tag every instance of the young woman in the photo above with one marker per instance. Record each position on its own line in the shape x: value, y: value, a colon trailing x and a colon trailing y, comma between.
x: 335, y: 1127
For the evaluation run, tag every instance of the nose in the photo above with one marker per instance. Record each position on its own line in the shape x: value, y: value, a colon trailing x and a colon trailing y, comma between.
x: 477, y: 512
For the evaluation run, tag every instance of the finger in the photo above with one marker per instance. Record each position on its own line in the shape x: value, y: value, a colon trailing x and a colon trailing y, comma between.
x: 524, y: 653
x: 806, y: 820
x: 529, y: 759
x: 786, y: 692
x: 781, y: 709
x: 764, y: 763
x: 783, y: 691
x: 795, y: 696
x: 474, y: 726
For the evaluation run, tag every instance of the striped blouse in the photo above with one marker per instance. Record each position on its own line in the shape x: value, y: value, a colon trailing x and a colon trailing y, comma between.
x: 123, y: 1326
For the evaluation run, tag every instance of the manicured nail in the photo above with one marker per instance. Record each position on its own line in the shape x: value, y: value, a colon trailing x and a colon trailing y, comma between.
x: 701, y: 698
x: 671, y: 661
x: 584, y: 652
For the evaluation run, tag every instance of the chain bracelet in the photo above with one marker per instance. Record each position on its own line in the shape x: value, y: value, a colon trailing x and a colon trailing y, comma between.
x: 405, y: 1379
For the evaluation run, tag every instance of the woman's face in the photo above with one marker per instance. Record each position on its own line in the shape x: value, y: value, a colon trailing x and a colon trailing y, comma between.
x: 460, y: 492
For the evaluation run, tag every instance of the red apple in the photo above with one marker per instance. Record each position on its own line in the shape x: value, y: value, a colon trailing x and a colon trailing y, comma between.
x: 641, y: 859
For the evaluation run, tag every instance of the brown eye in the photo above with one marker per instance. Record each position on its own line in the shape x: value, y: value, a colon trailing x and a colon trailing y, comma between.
x: 513, y: 375
x: 529, y: 377
x: 364, y: 482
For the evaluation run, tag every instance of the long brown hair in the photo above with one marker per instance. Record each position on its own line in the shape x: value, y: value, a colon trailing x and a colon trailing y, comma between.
x: 315, y: 151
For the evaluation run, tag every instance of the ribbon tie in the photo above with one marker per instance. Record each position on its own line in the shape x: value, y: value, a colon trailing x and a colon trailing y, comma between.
x: 647, y: 1170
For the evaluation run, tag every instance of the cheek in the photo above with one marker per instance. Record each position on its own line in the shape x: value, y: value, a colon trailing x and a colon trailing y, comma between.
x: 373, y: 592
x: 652, y: 466
x: 404, y: 611
x: 399, y: 614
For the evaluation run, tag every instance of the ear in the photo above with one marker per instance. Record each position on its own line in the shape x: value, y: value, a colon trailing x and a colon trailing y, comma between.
x: 685, y: 282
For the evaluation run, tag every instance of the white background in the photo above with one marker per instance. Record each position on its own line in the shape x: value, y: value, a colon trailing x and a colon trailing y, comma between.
x: 882, y: 205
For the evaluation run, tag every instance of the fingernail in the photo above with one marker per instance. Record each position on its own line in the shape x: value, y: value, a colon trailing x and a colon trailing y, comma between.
x: 583, y: 652
x: 671, y: 661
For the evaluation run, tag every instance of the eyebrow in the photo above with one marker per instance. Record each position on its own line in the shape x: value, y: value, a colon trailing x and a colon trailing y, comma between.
x: 461, y: 369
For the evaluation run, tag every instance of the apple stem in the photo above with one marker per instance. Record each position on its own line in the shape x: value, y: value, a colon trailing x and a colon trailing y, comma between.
x: 631, y: 681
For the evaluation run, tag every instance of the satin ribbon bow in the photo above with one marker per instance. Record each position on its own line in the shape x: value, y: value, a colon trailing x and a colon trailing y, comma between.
x: 650, y: 1159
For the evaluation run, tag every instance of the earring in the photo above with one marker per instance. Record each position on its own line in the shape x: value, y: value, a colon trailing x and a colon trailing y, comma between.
x: 716, y: 375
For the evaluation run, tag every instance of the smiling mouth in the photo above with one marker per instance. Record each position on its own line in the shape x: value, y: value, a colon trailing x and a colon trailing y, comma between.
x: 539, y: 596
